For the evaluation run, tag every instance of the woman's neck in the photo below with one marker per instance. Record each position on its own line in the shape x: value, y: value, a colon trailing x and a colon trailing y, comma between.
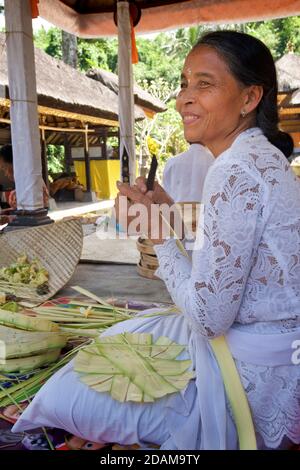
x: 218, y: 146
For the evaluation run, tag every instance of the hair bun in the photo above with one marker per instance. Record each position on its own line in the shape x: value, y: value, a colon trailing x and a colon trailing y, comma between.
x: 283, y: 141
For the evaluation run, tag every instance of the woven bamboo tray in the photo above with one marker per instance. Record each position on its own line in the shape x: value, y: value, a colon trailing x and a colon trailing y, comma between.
x: 58, y: 246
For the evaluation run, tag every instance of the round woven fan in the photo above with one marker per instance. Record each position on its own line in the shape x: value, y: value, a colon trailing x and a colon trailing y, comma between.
x: 58, y: 246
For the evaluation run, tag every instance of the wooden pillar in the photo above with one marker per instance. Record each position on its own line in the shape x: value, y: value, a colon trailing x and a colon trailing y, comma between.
x: 24, y: 114
x: 68, y: 154
x: 87, y: 160
x: 104, y: 145
x: 126, y: 100
x: 44, y: 158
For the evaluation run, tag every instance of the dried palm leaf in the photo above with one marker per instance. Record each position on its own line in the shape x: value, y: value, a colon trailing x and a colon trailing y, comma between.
x: 131, y: 367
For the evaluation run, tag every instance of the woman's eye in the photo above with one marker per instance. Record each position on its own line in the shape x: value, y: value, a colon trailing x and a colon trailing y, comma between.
x: 203, y: 84
x: 183, y: 85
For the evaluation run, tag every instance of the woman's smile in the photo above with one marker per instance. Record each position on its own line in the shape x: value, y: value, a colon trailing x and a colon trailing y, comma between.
x: 190, y: 118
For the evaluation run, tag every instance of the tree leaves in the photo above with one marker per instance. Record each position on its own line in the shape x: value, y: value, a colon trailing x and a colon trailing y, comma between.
x: 131, y: 367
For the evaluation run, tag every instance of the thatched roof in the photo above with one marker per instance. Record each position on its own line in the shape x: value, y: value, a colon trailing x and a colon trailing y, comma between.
x: 141, y: 97
x: 93, y: 18
x: 288, y: 72
x: 61, y: 87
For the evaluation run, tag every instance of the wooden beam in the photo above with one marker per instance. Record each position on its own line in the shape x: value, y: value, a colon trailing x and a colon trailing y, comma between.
x: 58, y: 129
x: 95, y: 120
x: 289, y: 110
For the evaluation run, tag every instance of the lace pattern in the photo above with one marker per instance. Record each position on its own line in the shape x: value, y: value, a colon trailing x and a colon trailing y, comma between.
x: 247, y: 272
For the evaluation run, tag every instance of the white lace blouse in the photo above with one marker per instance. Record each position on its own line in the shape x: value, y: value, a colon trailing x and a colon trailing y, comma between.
x: 247, y: 273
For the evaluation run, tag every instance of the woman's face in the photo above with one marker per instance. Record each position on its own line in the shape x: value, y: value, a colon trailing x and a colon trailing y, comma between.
x: 210, y: 101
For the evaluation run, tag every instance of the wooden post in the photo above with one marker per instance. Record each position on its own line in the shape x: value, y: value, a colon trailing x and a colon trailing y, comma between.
x: 44, y: 158
x: 126, y: 101
x: 68, y: 154
x: 104, y: 145
x: 87, y: 160
x: 24, y: 115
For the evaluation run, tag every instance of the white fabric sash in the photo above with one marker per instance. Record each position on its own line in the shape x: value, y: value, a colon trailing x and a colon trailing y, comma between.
x: 275, y: 349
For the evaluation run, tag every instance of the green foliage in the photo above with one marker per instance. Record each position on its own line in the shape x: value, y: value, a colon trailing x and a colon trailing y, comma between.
x: 158, y: 71
x: 162, y: 135
x: 102, y: 53
x: 55, y: 158
x: 289, y: 37
x: 49, y: 41
x: 97, y: 53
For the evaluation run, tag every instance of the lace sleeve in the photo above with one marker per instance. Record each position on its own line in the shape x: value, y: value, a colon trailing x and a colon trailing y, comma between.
x: 210, y: 289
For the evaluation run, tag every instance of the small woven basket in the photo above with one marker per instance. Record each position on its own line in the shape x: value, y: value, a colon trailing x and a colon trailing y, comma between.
x: 148, y: 263
x: 58, y: 247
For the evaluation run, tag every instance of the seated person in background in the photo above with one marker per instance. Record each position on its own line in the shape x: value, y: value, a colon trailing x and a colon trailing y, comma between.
x: 6, y: 166
x: 184, y: 174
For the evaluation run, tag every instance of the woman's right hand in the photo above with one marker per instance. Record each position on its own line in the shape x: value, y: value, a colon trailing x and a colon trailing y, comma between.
x: 158, y: 195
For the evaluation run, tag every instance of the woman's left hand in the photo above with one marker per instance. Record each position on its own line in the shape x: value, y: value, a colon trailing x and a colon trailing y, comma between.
x: 147, y: 213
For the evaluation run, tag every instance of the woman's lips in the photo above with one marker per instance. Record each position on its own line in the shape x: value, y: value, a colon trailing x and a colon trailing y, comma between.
x: 189, y: 118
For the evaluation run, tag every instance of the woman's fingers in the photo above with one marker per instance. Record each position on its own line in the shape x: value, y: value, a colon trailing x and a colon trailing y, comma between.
x: 141, y: 184
x: 133, y: 193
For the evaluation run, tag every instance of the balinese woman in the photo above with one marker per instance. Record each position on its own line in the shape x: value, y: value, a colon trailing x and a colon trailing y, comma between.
x: 243, y: 283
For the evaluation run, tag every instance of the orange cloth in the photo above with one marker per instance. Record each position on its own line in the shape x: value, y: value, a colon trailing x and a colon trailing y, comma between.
x: 134, y: 51
x: 34, y: 8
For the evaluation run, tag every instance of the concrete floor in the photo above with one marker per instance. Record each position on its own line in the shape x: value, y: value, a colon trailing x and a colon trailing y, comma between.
x: 117, y: 281
x: 124, y: 251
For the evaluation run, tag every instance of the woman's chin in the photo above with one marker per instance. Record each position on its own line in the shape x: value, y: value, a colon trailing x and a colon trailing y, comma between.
x: 192, y: 137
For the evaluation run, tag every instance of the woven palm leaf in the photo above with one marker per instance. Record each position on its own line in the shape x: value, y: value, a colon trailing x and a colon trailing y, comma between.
x: 131, y: 367
x: 58, y: 246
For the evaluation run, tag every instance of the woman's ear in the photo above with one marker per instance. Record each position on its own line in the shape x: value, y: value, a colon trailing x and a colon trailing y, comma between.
x: 252, y: 98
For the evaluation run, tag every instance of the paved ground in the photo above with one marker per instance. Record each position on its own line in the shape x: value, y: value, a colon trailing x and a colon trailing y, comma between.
x: 118, y: 281
x: 95, y: 248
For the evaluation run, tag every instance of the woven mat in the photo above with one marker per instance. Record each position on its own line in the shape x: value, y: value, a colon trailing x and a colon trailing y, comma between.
x: 58, y: 247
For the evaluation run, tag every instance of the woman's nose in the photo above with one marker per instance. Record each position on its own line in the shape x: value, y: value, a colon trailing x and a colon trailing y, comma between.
x: 187, y: 96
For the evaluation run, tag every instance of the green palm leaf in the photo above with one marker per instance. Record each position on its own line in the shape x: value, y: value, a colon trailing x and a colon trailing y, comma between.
x: 131, y: 367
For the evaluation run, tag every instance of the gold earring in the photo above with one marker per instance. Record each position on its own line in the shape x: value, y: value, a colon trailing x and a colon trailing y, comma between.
x: 243, y: 113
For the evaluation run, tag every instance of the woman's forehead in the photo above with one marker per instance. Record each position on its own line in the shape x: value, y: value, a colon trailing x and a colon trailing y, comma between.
x: 204, y: 60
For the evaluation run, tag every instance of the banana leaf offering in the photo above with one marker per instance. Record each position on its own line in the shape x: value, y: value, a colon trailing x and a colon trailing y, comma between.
x: 27, y: 273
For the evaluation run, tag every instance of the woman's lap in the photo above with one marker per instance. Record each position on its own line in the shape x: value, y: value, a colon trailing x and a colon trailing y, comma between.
x: 65, y: 402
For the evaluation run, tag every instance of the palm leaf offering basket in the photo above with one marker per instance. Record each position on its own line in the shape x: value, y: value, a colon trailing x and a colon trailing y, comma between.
x: 57, y: 246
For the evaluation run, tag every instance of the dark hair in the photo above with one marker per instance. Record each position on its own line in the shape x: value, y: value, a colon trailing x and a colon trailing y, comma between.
x: 251, y: 63
x: 6, y: 153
